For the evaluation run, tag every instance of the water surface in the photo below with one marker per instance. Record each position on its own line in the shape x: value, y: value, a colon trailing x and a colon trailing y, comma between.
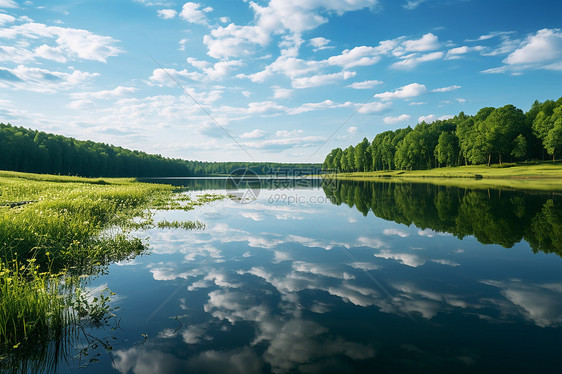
x: 354, y: 277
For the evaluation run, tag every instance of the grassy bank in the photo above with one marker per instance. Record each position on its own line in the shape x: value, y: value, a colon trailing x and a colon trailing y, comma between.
x: 55, y: 229
x: 543, y: 176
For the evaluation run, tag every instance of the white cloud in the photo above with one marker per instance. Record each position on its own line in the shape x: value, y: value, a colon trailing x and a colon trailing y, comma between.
x: 215, y: 71
x: 375, y: 107
x: 309, y: 107
x: 404, y: 92
x: 428, y: 119
x: 352, y: 130
x: 278, y: 17
x: 392, y: 120
x: 70, y: 43
x: 254, y: 134
x: 322, y: 79
x: 289, y: 66
x: 446, y: 89
x: 365, y: 85
x: 498, y: 70
x: 281, y: 93
x: 117, y: 92
x: 15, y: 54
x: 358, y: 56
x: 492, y: 35
x: 413, y: 60
x: 235, y: 41
x: 286, y: 134
x: 80, y: 104
x: 167, y: 13
x: 8, y: 4
x: 427, y: 42
x: 5, y: 19
x: 543, y: 47
x: 193, y: 13
x: 50, y: 53
x: 162, y: 77
x: 412, y: 4
x: 319, y: 43
x: 42, y: 80
x: 457, y: 52
x: 284, y: 143
x: 298, y: 16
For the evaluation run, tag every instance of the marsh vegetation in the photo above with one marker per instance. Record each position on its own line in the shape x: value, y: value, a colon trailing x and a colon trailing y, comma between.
x: 55, y: 231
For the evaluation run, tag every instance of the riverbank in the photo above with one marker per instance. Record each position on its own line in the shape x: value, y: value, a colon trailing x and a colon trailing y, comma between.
x: 543, y: 176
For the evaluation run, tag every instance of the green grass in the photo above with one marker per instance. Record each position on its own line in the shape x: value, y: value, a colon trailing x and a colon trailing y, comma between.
x: 56, y: 229
x: 533, y: 176
x: 31, y: 305
x: 67, y: 216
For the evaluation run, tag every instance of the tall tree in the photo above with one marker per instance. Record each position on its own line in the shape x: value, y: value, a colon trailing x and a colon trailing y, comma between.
x: 361, y: 155
x: 547, y: 126
x: 500, y: 128
x: 519, y: 147
x: 447, y: 151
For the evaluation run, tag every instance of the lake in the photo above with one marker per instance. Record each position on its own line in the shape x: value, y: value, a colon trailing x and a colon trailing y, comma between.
x: 341, y: 277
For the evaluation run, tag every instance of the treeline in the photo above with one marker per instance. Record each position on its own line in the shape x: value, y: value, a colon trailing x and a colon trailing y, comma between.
x: 493, y: 217
x: 34, y: 151
x: 493, y: 135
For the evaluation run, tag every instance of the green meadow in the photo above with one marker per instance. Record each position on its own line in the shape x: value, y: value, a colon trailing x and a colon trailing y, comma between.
x: 545, y: 176
x: 56, y: 231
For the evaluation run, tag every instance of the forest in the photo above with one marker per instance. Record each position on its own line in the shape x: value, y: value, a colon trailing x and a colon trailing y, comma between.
x: 34, y: 151
x: 492, y: 136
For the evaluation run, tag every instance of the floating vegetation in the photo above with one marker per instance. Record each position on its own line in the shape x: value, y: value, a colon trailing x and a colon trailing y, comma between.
x: 186, y: 225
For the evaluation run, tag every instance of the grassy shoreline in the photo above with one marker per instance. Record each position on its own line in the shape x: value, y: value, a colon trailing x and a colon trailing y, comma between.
x: 543, y: 176
x: 54, y: 230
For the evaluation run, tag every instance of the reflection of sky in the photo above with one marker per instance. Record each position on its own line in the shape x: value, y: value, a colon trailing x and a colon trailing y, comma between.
x: 309, y: 287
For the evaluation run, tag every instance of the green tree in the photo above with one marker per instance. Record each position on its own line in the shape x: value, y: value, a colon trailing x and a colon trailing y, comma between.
x: 519, y: 147
x: 547, y: 126
x: 446, y: 151
x: 360, y: 155
x: 501, y: 128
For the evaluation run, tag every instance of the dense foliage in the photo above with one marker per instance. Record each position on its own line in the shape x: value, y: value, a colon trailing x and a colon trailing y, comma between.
x: 34, y: 151
x: 492, y: 135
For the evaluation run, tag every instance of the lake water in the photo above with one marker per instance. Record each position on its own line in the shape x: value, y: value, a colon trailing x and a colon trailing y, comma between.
x: 347, y: 277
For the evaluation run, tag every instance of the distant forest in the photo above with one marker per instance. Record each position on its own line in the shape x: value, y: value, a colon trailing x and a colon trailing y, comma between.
x: 34, y: 151
x: 493, y: 135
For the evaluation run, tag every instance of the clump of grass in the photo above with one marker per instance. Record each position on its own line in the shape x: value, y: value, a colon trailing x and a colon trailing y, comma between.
x: 31, y: 306
x: 42, y: 315
x: 186, y: 225
x: 185, y: 202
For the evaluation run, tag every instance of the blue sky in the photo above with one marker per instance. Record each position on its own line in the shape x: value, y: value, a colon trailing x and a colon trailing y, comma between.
x: 268, y: 80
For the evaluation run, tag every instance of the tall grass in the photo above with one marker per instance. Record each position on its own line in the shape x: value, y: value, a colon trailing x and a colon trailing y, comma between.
x: 30, y: 305
x: 53, y: 228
